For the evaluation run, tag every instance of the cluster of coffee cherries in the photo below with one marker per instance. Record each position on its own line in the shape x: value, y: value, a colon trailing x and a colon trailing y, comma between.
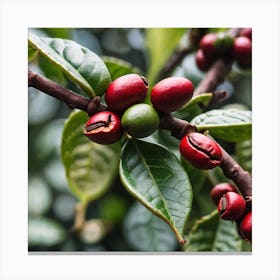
x: 232, y: 206
x: 216, y: 45
x: 127, y: 112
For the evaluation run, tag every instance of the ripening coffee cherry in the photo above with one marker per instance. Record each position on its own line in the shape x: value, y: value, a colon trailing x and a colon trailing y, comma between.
x: 242, y: 50
x: 223, y: 44
x: 207, y: 44
x: 140, y: 120
x: 171, y: 94
x: 202, y: 61
x: 231, y: 206
x: 220, y: 189
x: 246, y: 32
x: 245, y: 227
x: 103, y: 128
x: 126, y: 91
x: 200, y: 151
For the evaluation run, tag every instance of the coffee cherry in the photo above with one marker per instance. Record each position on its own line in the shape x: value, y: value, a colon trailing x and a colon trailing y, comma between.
x: 223, y: 44
x: 242, y: 50
x: 207, y: 44
x: 245, y: 227
x: 246, y: 32
x: 202, y: 61
x: 103, y: 128
x: 200, y: 151
x: 220, y: 189
x: 231, y: 206
x: 126, y: 91
x: 140, y: 120
x: 171, y: 94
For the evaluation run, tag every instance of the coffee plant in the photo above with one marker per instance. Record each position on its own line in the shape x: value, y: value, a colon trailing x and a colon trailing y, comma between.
x: 157, y: 155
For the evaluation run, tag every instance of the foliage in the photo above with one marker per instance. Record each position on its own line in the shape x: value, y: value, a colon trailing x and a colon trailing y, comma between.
x: 174, y: 196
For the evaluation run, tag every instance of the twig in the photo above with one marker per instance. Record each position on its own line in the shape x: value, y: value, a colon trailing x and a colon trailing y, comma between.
x: 72, y: 99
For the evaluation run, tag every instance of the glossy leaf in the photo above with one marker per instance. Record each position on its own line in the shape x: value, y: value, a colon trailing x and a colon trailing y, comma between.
x: 161, y: 43
x: 228, y: 125
x: 32, y: 53
x: 118, y: 67
x: 244, y: 154
x: 211, y: 233
x: 201, y: 99
x: 194, y: 107
x: 146, y: 232
x: 80, y: 64
x: 155, y: 177
x: 51, y: 70
x: 90, y: 167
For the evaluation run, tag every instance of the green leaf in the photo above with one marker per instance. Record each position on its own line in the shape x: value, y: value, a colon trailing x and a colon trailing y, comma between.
x: 90, y: 168
x: 64, y: 33
x: 80, y: 64
x: 146, y: 232
x: 155, y: 177
x: 44, y: 232
x: 193, y: 108
x: 118, y: 67
x: 228, y: 125
x: 32, y: 53
x: 52, y: 71
x: 244, y: 154
x: 211, y: 233
x: 161, y: 43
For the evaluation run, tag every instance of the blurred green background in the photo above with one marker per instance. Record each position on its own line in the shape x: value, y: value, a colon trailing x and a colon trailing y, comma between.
x: 51, y: 205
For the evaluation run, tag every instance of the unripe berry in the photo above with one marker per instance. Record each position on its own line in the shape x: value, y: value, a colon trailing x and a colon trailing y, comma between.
x: 171, y: 94
x: 126, y: 91
x: 245, y: 227
x: 202, y: 61
x: 246, y: 32
x: 231, y: 206
x: 103, y: 128
x: 140, y: 120
x: 200, y: 151
x: 242, y: 50
x: 207, y: 44
x: 220, y: 189
x: 223, y: 44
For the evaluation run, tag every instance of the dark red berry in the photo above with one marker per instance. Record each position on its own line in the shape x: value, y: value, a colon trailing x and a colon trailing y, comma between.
x: 242, y: 50
x: 103, y: 128
x: 202, y: 61
x: 171, y: 94
x: 207, y: 44
x: 126, y: 91
x: 245, y: 227
x: 231, y: 206
x: 246, y: 32
x: 200, y: 151
x: 220, y: 189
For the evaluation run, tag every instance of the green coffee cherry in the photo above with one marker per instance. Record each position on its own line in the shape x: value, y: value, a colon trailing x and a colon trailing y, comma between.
x: 223, y: 43
x: 140, y: 120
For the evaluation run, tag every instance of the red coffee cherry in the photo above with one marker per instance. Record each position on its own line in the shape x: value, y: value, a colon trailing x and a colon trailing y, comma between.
x: 242, y: 50
x: 246, y: 32
x: 207, y: 44
x: 245, y: 227
x: 231, y: 206
x: 220, y: 189
x: 200, y: 151
x: 103, y: 128
x: 126, y: 91
x: 202, y: 61
x: 171, y: 94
